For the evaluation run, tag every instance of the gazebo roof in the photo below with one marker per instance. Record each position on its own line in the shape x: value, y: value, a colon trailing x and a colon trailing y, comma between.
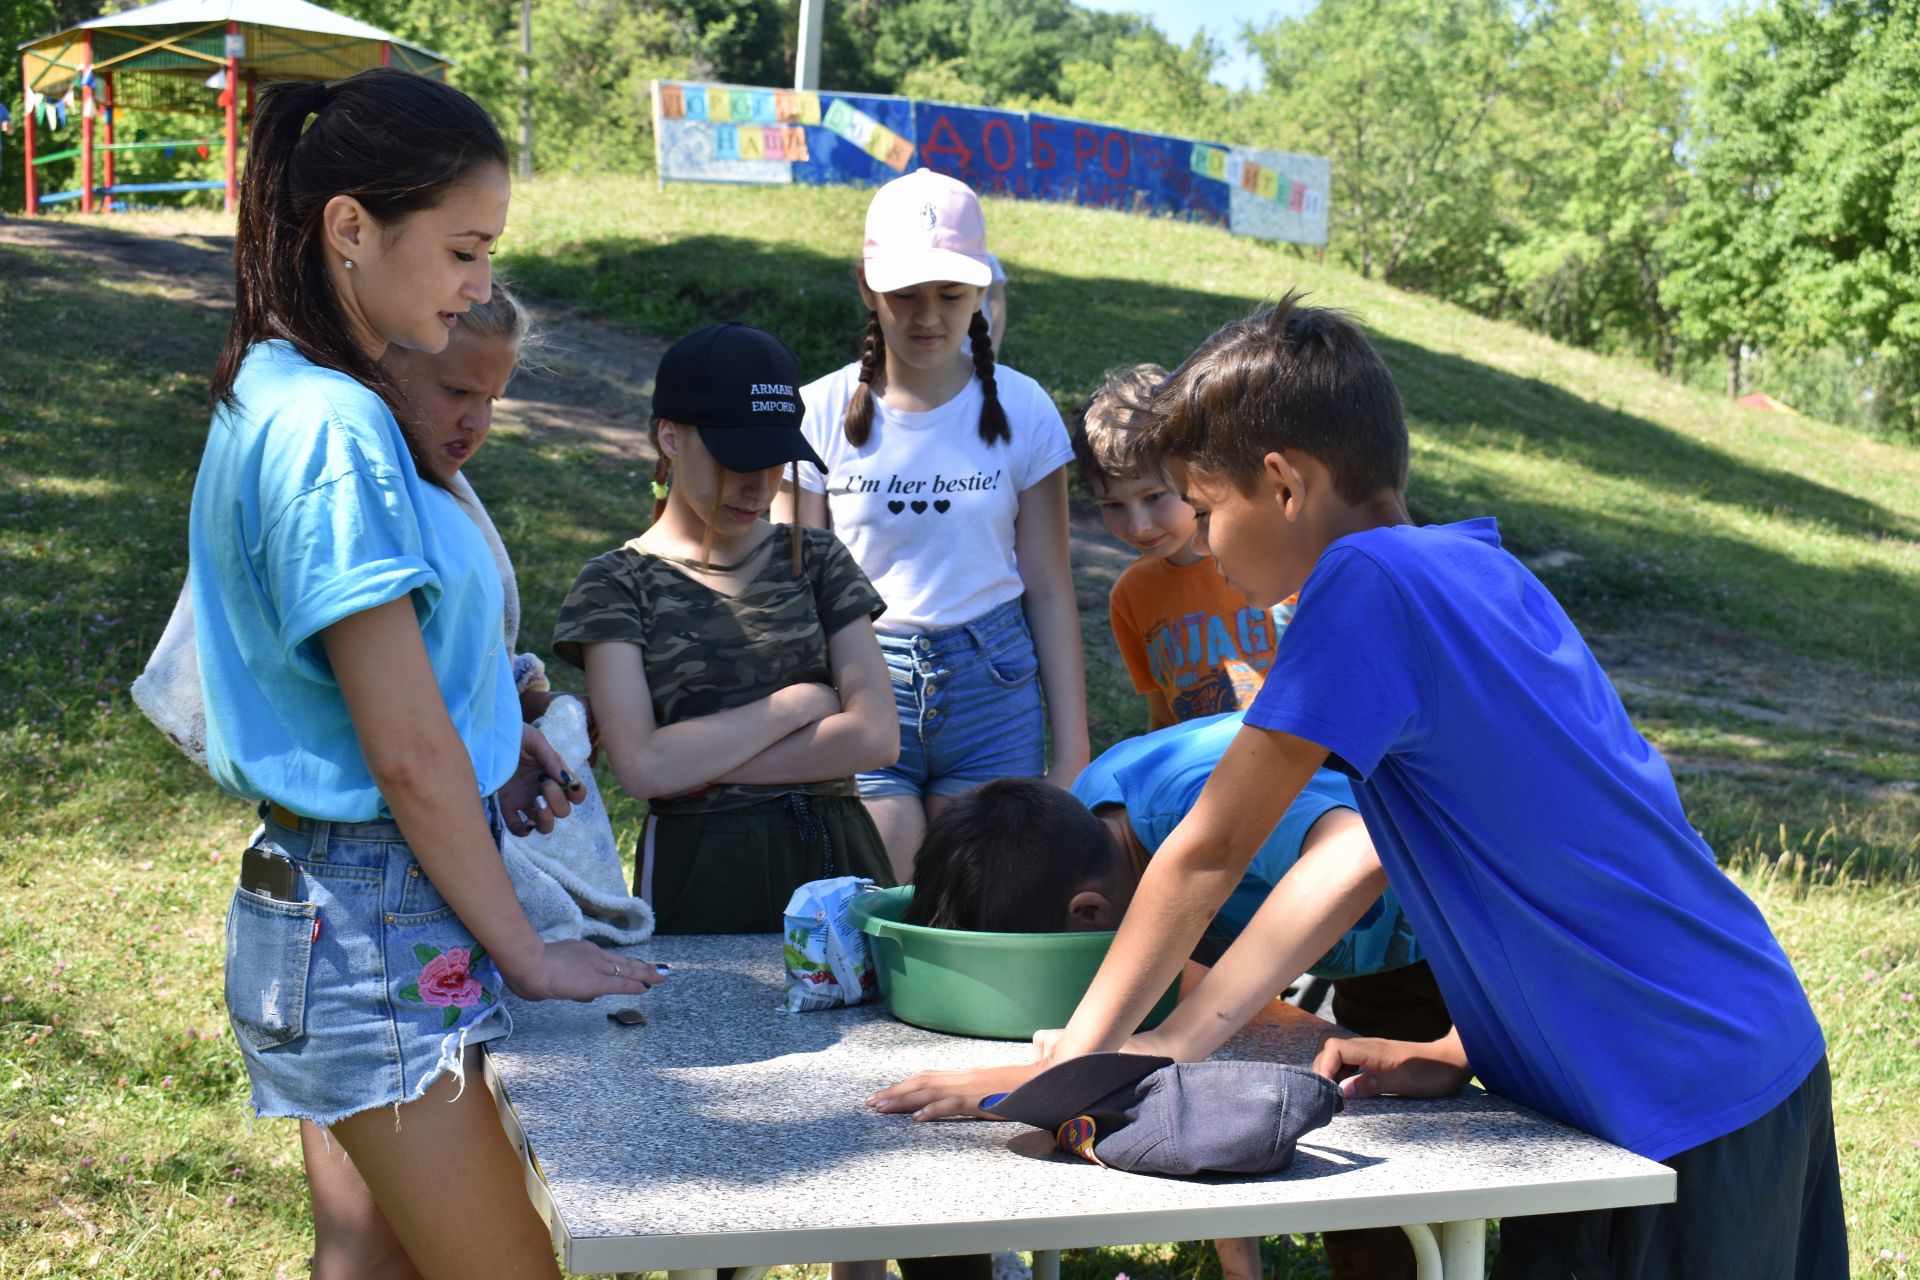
x: 174, y: 45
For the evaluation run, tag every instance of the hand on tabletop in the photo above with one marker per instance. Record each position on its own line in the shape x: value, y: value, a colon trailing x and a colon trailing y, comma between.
x: 541, y: 791
x: 1367, y: 1068
x: 580, y: 971
x: 938, y: 1095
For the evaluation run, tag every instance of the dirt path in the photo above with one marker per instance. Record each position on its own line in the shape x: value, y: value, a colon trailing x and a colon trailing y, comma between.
x: 591, y: 381
x: 586, y: 379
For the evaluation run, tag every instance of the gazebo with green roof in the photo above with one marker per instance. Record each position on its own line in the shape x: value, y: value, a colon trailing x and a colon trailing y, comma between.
x: 168, y: 56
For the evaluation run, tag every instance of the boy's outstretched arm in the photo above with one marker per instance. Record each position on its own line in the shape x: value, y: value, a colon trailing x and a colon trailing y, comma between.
x: 1321, y: 896
x: 1185, y: 883
x: 1187, y: 880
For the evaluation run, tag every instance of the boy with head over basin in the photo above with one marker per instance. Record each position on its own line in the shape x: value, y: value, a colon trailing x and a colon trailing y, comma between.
x: 1020, y: 856
x: 1598, y: 965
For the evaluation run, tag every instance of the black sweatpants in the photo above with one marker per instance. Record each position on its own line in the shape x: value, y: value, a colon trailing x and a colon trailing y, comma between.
x: 1760, y: 1203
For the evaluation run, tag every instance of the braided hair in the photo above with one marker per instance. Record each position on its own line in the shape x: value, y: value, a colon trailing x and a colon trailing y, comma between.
x: 873, y: 353
x: 858, y: 419
x: 993, y: 418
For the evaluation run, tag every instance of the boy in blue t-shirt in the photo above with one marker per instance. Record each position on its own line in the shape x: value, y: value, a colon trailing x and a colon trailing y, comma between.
x: 1598, y: 965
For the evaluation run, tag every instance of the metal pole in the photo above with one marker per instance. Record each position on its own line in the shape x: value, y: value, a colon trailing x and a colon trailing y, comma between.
x: 86, y: 131
x: 106, y: 112
x: 526, y: 90
x: 233, y: 119
x: 33, y: 191
x: 806, y: 49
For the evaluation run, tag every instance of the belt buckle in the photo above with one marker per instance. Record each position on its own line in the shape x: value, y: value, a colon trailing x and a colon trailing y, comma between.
x: 285, y: 817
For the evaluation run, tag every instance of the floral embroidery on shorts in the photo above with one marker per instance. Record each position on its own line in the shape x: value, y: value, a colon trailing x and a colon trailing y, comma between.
x: 446, y: 981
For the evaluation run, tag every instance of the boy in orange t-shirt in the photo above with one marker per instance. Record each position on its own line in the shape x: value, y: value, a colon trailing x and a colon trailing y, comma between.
x: 1193, y: 644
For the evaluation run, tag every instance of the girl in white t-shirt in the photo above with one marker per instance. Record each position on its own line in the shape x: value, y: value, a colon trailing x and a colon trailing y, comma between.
x: 945, y: 476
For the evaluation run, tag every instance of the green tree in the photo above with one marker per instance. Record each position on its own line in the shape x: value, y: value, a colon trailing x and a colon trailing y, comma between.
x: 1407, y: 98
x: 1600, y: 92
x: 1802, y: 216
x: 1149, y: 82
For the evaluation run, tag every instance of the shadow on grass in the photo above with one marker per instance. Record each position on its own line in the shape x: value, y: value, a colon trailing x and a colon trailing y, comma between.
x: 107, y: 386
x: 1065, y: 330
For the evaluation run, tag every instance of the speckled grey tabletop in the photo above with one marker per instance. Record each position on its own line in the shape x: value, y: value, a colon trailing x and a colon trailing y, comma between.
x: 726, y: 1133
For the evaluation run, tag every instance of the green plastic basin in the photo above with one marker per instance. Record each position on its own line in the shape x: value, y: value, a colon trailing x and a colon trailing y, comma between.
x: 1002, y: 986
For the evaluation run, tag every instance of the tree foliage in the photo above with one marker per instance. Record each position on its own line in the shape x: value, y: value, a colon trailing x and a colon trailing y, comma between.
x: 1744, y: 191
x: 1595, y: 170
x: 1406, y: 97
x: 1799, y: 233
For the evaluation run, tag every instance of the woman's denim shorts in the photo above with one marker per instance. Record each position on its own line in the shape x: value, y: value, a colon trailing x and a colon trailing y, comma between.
x: 970, y: 707
x: 363, y: 990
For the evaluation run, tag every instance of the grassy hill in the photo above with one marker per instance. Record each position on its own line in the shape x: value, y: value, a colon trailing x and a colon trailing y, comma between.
x: 1752, y: 582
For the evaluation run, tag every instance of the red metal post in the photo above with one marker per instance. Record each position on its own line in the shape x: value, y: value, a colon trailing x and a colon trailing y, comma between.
x: 106, y: 109
x: 33, y: 191
x: 386, y: 53
x: 87, y: 107
x: 233, y: 121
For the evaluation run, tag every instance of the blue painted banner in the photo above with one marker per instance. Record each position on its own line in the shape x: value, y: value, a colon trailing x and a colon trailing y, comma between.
x: 732, y: 133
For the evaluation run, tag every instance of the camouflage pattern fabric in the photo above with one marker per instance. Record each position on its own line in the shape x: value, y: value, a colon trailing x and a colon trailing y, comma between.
x: 706, y: 652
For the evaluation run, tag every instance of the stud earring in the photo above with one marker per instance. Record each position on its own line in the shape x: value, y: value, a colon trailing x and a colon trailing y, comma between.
x: 349, y: 262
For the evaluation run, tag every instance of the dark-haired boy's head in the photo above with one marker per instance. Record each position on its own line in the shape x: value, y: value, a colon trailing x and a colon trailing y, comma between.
x: 1288, y: 377
x: 1019, y: 856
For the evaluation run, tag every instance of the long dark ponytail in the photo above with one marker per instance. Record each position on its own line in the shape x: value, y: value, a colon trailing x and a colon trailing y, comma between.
x: 394, y: 141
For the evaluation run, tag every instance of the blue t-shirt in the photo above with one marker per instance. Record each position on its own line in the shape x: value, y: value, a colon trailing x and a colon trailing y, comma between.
x: 1599, y: 965
x: 308, y: 510
x: 1158, y: 776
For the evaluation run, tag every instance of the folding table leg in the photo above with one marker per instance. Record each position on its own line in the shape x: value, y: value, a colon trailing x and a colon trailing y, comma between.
x: 1426, y: 1251
x: 1463, y: 1249
x: 1046, y: 1264
x: 695, y: 1273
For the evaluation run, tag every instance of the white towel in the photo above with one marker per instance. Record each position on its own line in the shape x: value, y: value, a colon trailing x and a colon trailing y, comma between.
x: 571, y: 883
x: 169, y: 689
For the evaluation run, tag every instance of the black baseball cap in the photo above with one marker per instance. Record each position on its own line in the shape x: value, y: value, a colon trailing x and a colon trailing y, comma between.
x: 1146, y: 1114
x: 741, y: 387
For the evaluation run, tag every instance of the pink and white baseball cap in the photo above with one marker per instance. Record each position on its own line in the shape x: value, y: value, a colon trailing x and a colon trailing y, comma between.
x: 925, y: 226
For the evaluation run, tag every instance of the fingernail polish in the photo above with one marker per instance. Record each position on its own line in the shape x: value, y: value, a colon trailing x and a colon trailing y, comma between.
x: 992, y: 1100
x: 567, y: 779
x: 660, y: 968
x: 522, y: 815
x: 540, y: 802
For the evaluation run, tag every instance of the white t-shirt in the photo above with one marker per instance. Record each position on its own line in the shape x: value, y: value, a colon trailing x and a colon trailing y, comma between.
x: 925, y: 505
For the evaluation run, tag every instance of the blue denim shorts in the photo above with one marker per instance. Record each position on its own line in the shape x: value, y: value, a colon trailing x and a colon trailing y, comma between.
x: 363, y: 990
x: 970, y: 707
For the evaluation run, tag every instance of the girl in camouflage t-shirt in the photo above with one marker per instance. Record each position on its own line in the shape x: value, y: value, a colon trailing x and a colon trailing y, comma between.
x: 732, y: 663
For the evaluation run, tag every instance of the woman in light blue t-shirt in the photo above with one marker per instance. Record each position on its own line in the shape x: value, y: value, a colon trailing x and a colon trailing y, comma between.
x: 358, y: 689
